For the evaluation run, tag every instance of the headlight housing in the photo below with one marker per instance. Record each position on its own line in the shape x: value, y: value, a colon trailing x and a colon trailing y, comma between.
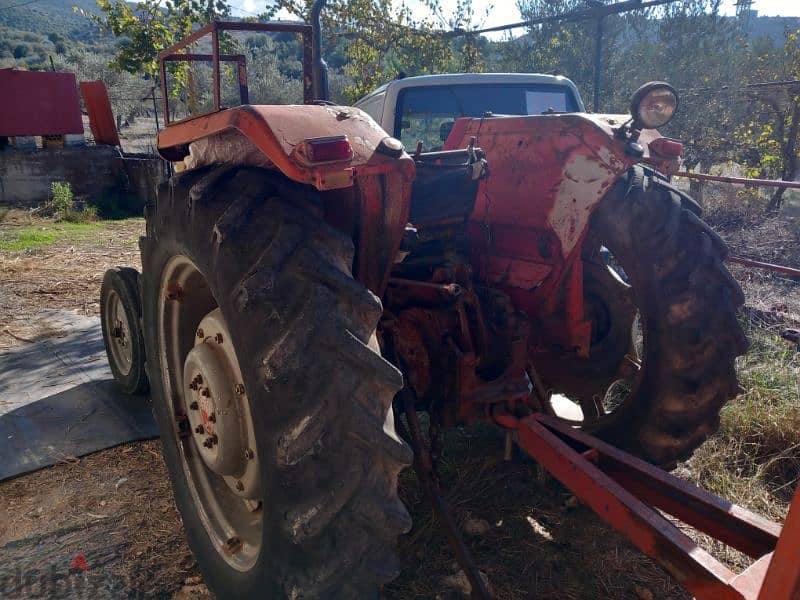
x: 653, y: 105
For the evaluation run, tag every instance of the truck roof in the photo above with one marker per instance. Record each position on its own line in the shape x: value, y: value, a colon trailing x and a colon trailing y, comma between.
x: 476, y: 78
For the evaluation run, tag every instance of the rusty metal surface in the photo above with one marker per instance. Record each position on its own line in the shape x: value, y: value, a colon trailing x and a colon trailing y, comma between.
x: 725, y: 521
x: 462, y: 349
x: 279, y: 131
x: 782, y: 579
x: 383, y: 192
x: 175, y: 53
x: 749, y: 262
x: 39, y: 103
x: 625, y: 491
x: 381, y: 186
x: 547, y: 174
x: 101, y: 117
x: 795, y: 185
x: 696, y: 570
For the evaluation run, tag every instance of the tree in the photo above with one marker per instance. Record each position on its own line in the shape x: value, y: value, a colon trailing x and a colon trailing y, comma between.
x: 384, y: 39
x: 703, y: 55
x: 144, y: 29
x: 562, y: 47
x: 775, y: 129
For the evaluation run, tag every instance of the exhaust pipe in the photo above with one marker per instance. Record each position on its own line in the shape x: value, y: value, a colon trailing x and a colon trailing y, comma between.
x: 319, y: 70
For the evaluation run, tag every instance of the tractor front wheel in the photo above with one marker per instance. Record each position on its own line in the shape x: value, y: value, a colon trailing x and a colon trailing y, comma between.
x: 121, y: 324
x: 665, y: 333
x: 269, y: 389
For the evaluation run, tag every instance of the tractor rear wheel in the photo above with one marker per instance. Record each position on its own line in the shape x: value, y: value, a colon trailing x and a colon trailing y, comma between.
x: 269, y: 389
x: 665, y: 332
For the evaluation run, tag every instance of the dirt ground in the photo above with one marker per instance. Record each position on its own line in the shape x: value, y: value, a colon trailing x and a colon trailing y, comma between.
x: 112, y: 512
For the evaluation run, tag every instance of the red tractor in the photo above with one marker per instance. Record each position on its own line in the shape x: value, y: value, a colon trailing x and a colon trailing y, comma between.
x: 306, y: 282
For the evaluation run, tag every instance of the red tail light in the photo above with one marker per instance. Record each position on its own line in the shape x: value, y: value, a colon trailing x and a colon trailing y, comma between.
x: 328, y: 149
x: 666, y: 147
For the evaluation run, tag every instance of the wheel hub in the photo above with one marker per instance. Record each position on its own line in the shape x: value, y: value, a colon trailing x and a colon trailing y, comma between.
x: 119, y: 342
x: 217, y: 407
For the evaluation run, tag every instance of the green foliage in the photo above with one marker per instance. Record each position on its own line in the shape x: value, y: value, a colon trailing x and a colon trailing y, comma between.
x: 383, y: 40
x: 61, y: 192
x: 771, y: 130
x: 144, y: 29
x: 64, y: 204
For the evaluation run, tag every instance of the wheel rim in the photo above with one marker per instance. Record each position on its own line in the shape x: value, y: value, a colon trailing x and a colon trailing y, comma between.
x: 593, y: 411
x: 119, y: 333
x: 211, y: 412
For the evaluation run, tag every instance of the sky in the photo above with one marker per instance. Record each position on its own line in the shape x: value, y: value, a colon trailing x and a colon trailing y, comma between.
x: 505, y: 11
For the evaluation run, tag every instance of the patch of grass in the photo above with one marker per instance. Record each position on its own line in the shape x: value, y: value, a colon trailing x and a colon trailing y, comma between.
x: 754, y: 459
x: 42, y: 235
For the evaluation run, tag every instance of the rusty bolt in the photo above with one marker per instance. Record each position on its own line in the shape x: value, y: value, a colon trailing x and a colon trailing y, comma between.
x: 218, y: 338
x: 200, y: 333
x: 174, y: 292
x: 205, y: 393
x: 249, y: 454
x: 193, y: 406
x: 239, y: 485
x: 199, y: 429
x: 239, y: 389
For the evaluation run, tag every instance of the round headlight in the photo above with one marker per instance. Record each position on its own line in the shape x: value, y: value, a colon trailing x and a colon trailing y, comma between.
x: 653, y: 105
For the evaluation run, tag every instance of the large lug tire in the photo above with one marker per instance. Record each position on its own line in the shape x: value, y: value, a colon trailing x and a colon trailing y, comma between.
x: 121, y: 324
x: 247, y: 250
x: 686, y: 300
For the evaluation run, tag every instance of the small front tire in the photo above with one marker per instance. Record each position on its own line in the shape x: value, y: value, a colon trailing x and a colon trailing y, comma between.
x: 121, y: 323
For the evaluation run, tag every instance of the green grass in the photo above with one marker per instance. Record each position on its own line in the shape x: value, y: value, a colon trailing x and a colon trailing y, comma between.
x: 41, y: 235
x: 754, y: 459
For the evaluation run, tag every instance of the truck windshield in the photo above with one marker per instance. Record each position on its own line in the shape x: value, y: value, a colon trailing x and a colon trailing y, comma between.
x: 428, y: 113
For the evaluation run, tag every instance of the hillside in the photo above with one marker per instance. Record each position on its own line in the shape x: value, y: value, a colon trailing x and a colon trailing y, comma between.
x: 49, y: 16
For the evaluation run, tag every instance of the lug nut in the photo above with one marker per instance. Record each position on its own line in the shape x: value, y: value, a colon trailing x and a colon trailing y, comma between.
x: 233, y: 545
x: 199, y: 429
x: 200, y: 334
x: 193, y: 406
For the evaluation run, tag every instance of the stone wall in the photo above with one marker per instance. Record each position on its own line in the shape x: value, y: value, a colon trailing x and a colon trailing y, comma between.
x: 97, y: 174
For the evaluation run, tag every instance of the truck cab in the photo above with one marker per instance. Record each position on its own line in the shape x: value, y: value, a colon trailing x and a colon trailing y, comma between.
x: 426, y: 107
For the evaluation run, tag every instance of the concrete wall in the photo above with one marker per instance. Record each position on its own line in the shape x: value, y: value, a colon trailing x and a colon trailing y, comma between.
x: 96, y: 173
